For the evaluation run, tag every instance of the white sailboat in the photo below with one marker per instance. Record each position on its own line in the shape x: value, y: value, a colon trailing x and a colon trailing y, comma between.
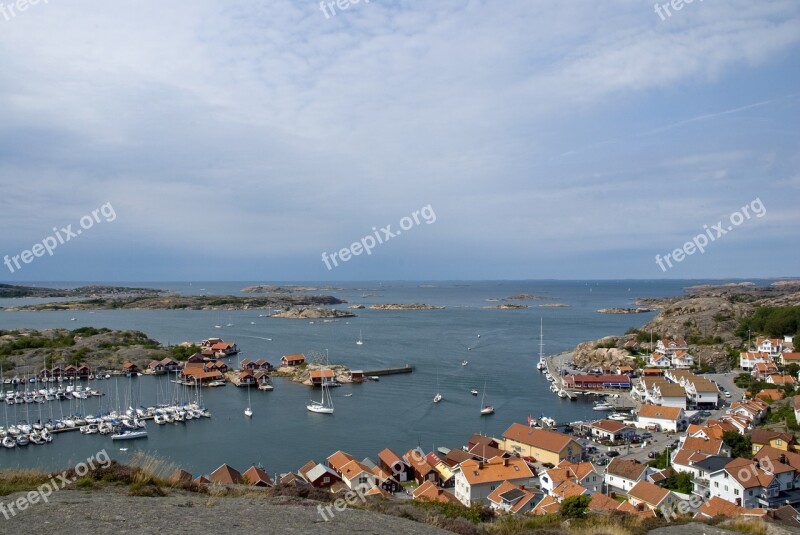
x: 542, y: 365
x: 248, y: 411
x: 325, y: 405
x: 486, y: 409
x: 360, y: 340
x: 438, y: 397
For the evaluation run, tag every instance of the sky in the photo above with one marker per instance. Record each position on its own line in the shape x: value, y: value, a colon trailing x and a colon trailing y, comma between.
x: 241, y: 140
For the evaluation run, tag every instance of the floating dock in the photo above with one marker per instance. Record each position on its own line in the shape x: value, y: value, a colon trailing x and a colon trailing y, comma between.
x: 390, y: 371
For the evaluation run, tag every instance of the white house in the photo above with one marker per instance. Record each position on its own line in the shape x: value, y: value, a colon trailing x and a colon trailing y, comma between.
x: 669, y: 394
x: 623, y: 474
x: 584, y: 474
x: 682, y: 360
x: 657, y: 360
x: 749, y: 359
x: 665, y: 418
x: 356, y: 474
x: 771, y: 346
x: 476, y: 480
x: 743, y: 483
x: 669, y: 346
x: 701, y: 392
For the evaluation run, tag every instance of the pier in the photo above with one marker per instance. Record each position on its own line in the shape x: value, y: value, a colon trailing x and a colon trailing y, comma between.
x: 390, y: 371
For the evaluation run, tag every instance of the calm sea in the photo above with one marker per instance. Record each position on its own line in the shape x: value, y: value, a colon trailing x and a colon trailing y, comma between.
x: 396, y: 412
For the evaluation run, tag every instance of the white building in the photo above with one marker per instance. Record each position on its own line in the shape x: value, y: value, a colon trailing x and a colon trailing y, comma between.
x: 664, y: 417
x: 749, y: 359
x: 476, y: 480
x: 623, y: 474
x: 771, y: 346
x: 743, y: 483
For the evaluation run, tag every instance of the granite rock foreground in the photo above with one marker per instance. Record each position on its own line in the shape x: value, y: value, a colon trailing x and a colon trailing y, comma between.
x: 110, y: 512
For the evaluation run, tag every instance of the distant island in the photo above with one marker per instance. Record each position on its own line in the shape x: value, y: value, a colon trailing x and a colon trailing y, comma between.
x: 312, y: 313
x: 519, y: 297
x: 194, y: 302
x: 508, y: 306
x: 10, y: 291
x: 270, y: 289
x: 406, y: 306
x: 638, y: 310
x: 553, y: 305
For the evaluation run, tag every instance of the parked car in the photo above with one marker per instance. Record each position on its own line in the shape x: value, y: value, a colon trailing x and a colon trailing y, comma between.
x: 726, y: 394
x: 602, y: 461
x: 647, y: 435
x: 652, y: 455
x: 612, y: 453
x: 549, y: 465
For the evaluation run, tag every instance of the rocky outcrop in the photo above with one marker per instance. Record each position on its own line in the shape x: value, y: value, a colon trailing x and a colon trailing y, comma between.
x: 638, y: 310
x: 405, y: 306
x: 508, y: 306
x: 312, y: 313
x: 553, y: 305
x: 590, y: 355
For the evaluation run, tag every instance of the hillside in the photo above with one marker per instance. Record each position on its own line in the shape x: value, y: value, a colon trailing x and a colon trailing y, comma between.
x: 706, y: 317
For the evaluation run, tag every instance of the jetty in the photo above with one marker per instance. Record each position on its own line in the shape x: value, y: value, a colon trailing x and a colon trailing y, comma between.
x: 390, y: 371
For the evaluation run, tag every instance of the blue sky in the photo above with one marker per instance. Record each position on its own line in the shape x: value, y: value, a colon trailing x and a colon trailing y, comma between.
x: 239, y: 140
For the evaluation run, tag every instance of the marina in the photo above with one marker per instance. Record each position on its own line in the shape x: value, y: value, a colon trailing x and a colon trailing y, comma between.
x: 397, y: 409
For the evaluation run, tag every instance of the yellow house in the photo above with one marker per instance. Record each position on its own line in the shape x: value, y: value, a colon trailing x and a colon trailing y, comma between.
x: 544, y: 446
x: 779, y: 441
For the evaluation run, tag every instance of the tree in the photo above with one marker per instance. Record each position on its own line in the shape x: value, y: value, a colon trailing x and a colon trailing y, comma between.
x: 575, y: 506
x: 740, y: 445
x: 679, y: 482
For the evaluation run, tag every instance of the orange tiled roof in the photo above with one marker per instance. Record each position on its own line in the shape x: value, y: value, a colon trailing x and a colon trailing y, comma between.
x: 538, y: 438
x: 657, y: 411
x: 648, y: 493
x: 495, y: 469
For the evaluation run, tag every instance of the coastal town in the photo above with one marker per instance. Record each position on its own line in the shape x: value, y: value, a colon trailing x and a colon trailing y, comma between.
x: 690, y: 446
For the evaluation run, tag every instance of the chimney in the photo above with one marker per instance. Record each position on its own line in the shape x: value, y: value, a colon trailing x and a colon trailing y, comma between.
x: 480, y: 465
x: 505, y: 461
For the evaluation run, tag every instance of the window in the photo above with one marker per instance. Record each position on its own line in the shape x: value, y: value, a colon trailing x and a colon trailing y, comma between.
x: 736, y: 492
x: 326, y: 479
x: 778, y: 442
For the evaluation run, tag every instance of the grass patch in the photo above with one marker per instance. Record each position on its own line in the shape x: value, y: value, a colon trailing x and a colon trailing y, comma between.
x: 12, y: 481
x: 751, y: 526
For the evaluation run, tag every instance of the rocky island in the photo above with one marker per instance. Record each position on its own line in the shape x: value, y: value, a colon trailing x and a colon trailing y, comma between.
x: 312, y: 313
x: 180, y: 302
x: 406, y: 306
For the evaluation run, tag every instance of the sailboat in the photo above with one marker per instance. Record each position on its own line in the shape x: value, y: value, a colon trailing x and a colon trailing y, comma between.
x: 438, y: 397
x: 487, y: 409
x: 542, y: 365
x: 248, y: 411
x: 360, y: 340
x: 325, y: 405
